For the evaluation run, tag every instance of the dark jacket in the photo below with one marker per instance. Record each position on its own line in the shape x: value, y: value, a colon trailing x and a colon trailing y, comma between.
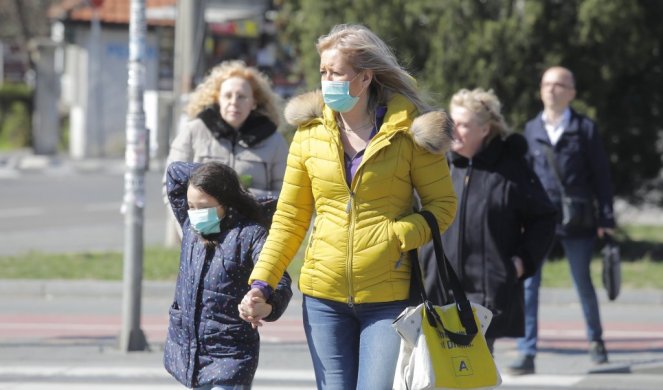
x: 582, y: 163
x: 503, y: 212
x: 207, y: 341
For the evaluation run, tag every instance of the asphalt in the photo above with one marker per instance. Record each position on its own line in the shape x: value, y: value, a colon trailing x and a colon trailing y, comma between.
x: 71, y: 326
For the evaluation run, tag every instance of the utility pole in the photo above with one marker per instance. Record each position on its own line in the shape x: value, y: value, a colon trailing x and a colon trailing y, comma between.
x: 189, y: 35
x: 132, y: 337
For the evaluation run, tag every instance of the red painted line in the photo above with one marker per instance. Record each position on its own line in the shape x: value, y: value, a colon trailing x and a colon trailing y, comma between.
x: 553, y: 334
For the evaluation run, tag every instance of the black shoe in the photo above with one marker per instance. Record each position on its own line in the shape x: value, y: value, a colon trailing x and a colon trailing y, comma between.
x: 523, y: 365
x: 597, y: 352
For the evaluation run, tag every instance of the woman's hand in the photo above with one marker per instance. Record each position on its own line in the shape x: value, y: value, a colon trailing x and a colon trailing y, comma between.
x: 254, y: 308
x: 520, y: 267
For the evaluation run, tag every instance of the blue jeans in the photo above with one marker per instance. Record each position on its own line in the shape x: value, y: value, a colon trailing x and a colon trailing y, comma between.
x: 223, y: 387
x: 352, y: 347
x: 578, y: 251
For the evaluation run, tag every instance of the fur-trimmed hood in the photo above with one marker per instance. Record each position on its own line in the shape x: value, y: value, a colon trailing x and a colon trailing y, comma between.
x: 431, y: 131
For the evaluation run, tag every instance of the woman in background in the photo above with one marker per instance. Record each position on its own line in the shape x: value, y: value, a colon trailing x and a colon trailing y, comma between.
x: 505, y: 222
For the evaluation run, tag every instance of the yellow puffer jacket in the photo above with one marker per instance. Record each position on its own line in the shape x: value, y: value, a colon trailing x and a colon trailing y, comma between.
x: 356, y: 252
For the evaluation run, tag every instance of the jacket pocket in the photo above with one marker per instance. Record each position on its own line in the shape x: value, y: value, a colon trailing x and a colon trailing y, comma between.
x: 176, y: 332
x: 228, y: 339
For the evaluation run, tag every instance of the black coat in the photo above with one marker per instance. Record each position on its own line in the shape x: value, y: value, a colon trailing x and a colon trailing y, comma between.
x: 503, y: 212
x: 583, y: 166
x: 207, y: 341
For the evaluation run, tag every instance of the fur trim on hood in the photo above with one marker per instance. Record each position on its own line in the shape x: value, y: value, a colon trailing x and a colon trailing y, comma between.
x: 303, y: 108
x: 431, y: 131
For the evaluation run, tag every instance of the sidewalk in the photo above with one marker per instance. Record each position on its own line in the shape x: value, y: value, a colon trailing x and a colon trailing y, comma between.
x: 24, y: 161
x: 64, y: 333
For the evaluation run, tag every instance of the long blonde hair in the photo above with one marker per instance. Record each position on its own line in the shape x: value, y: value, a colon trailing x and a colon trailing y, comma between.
x: 486, y: 107
x: 207, y: 92
x: 366, y: 51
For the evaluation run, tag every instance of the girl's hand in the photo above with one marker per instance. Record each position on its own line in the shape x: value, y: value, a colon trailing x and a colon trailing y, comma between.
x: 254, y: 308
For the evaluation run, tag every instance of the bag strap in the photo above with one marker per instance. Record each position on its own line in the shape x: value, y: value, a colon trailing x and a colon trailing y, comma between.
x: 553, y: 164
x: 449, y: 281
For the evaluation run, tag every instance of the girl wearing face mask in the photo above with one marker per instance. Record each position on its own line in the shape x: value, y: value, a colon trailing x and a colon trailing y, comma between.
x: 363, y: 146
x: 208, y: 345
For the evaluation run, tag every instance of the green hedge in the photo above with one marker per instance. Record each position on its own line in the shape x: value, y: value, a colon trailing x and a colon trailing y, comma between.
x: 15, y: 116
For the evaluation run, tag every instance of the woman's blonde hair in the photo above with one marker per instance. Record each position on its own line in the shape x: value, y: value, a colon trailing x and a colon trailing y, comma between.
x: 207, y: 92
x: 486, y: 108
x: 366, y: 51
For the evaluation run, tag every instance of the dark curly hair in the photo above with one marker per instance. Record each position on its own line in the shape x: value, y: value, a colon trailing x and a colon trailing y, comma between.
x: 222, y: 183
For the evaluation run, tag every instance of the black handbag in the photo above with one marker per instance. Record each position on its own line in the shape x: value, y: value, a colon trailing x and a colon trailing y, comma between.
x: 578, y: 211
x: 612, y: 272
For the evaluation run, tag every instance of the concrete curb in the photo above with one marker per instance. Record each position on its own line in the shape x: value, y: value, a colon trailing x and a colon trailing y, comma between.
x: 161, y: 289
x: 17, y: 162
x: 48, y: 288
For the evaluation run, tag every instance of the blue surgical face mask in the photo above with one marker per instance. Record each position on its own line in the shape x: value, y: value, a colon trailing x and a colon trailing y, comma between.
x: 336, y: 95
x: 205, y: 221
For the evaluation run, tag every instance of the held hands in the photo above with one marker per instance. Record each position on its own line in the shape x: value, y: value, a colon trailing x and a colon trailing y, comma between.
x: 254, y: 308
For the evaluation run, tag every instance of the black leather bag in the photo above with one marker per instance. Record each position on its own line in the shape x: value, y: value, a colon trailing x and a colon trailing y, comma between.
x: 612, y: 270
x: 578, y: 213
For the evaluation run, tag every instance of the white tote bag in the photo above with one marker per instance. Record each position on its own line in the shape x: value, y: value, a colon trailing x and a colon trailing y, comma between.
x: 414, y: 370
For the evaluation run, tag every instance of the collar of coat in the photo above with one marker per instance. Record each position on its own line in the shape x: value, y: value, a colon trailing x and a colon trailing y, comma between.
x: 254, y: 129
x: 541, y: 135
x: 431, y: 131
x: 513, y: 145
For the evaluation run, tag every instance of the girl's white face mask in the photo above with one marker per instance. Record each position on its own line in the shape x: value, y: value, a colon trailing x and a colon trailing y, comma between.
x: 205, y: 221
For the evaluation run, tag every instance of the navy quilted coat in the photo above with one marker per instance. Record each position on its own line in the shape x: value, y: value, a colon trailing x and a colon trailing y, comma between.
x: 207, y: 342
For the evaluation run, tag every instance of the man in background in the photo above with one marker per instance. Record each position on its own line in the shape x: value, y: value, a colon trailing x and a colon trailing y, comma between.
x: 566, y: 153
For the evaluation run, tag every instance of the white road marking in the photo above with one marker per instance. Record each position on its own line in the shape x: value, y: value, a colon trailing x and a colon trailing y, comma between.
x: 107, y: 206
x: 563, y: 381
x: 63, y: 372
x: 21, y: 212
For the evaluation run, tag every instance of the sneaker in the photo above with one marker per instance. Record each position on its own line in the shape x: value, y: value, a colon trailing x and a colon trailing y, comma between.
x: 597, y: 352
x: 523, y: 365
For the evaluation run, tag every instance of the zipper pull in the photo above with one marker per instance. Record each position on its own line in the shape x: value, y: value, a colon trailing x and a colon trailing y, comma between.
x: 348, y: 207
x: 351, y: 302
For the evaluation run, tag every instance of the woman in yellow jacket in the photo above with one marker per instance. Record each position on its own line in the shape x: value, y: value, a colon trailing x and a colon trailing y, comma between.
x: 362, y: 148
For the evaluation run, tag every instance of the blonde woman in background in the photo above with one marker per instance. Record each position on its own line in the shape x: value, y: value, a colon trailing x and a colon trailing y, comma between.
x: 505, y: 222
x: 234, y: 119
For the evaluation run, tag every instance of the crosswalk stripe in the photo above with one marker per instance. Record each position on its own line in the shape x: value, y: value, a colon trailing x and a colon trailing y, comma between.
x: 119, y: 386
x: 563, y: 381
x: 68, y: 377
x: 125, y: 372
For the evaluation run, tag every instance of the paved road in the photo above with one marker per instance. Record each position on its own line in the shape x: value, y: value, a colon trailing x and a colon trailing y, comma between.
x: 67, y: 210
x: 63, y: 334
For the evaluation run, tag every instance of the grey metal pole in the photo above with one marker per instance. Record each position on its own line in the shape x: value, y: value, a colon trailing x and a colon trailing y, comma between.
x: 189, y: 34
x: 132, y: 337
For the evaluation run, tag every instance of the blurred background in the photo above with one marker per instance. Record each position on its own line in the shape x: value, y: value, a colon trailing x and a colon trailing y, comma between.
x: 63, y: 130
x: 70, y: 58
x: 63, y: 96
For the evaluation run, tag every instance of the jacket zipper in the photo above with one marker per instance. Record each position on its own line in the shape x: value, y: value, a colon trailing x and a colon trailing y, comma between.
x: 232, y: 153
x: 461, y: 223
x: 351, y: 215
x: 348, y: 264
